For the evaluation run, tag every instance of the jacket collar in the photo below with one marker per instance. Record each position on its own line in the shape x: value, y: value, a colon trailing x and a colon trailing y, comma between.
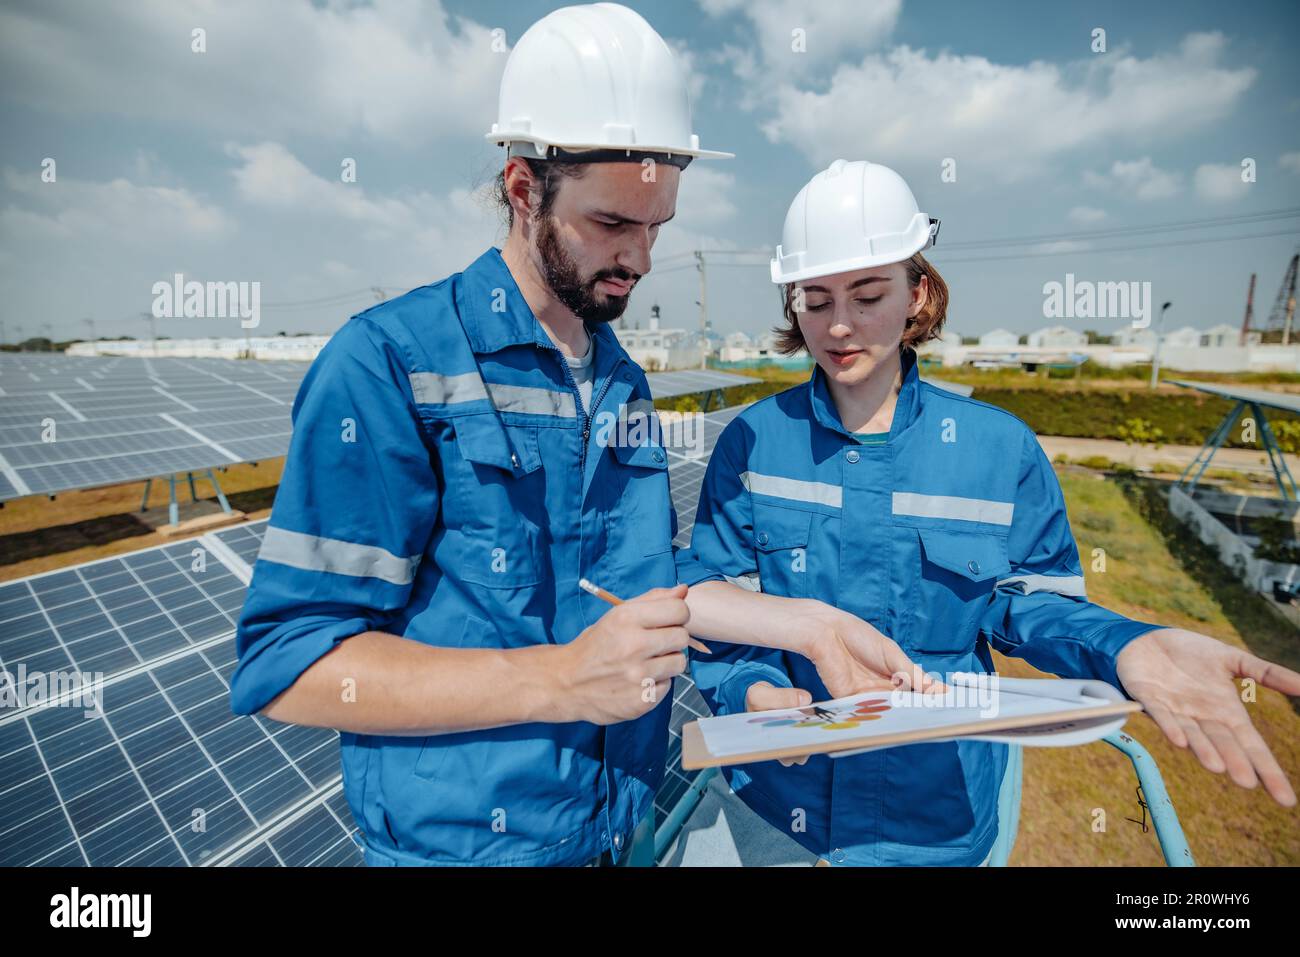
x: 905, y: 412
x: 488, y: 282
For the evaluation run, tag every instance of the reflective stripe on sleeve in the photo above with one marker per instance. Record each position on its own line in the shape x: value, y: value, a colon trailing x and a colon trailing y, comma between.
x: 314, y: 554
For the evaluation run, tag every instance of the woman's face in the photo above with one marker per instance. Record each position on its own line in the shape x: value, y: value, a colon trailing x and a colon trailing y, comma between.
x: 853, y: 322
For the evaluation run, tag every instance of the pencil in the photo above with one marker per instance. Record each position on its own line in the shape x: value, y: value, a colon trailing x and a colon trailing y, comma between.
x: 593, y: 589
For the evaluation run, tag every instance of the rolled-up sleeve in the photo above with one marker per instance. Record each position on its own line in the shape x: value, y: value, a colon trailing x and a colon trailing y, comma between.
x: 357, y: 503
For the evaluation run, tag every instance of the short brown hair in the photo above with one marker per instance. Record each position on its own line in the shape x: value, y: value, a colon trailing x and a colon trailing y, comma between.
x: 549, y: 174
x: 927, y: 324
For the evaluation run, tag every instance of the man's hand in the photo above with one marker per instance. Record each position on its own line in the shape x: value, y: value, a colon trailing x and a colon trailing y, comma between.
x: 765, y: 696
x: 1187, y: 683
x: 623, y: 665
x: 851, y: 656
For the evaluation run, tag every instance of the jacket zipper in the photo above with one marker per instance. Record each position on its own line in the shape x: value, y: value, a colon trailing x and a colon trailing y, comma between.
x: 577, y: 397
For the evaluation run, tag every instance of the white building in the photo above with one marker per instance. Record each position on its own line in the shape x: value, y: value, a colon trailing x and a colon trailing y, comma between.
x: 657, y: 349
x: 300, y: 348
x: 999, y: 338
x: 1143, y: 338
x: 1185, y: 336
x: 1221, y: 335
x: 1057, y: 337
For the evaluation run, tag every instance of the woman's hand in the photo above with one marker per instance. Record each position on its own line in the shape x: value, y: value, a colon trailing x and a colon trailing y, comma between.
x: 765, y: 696
x: 851, y: 656
x: 1187, y: 682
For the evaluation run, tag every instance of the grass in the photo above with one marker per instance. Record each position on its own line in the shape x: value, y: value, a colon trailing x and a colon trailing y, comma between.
x: 1155, y: 571
x: 38, y: 534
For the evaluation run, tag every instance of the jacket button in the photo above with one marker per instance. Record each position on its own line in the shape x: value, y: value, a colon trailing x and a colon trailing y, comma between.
x: 974, y: 566
x: 618, y: 840
x: 852, y: 456
x: 762, y: 538
x: 658, y: 456
x: 838, y: 856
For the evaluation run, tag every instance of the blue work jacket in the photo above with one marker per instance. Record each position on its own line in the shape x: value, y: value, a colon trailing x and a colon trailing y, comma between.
x: 949, y: 537
x: 444, y: 483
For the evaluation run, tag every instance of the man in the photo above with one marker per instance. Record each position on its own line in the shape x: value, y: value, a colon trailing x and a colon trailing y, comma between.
x: 445, y: 490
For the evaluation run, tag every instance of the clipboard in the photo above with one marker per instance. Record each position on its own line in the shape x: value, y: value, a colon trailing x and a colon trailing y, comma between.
x: 1066, y: 712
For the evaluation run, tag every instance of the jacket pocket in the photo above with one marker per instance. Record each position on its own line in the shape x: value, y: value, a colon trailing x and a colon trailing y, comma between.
x: 434, y: 750
x: 493, y: 502
x: 959, y: 571
x: 645, y: 505
x: 781, y: 549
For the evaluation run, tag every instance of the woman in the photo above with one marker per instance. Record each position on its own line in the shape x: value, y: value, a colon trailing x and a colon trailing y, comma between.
x: 936, y: 519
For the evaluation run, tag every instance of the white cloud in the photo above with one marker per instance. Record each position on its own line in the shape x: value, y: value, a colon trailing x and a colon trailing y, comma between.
x: 1085, y: 214
x: 703, y: 198
x: 117, y: 211
x: 1005, y: 122
x: 1218, y: 182
x: 807, y: 36
x: 1139, y: 178
x: 398, y: 69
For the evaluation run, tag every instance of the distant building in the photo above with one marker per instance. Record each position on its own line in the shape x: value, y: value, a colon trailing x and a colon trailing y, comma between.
x: 657, y: 349
x: 1128, y: 336
x: 1057, y: 337
x: 1221, y: 335
x: 999, y: 339
x: 1185, y: 336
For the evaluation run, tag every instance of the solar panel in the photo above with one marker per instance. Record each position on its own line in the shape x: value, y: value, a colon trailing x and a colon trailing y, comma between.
x: 665, y: 385
x: 1287, y: 402
x: 70, y: 422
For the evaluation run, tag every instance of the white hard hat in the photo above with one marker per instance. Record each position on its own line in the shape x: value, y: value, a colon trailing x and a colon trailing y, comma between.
x: 850, y: 216
x: 595, y: 77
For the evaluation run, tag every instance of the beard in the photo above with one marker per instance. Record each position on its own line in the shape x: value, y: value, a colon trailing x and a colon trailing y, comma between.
x: 565, y: 280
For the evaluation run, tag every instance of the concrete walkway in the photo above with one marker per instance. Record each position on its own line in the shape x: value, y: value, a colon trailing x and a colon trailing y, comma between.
x: 1250, y: 461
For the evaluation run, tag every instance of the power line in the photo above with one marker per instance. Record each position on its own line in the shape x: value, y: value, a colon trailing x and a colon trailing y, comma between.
x: 1214, y: 223
x: 937, y: 257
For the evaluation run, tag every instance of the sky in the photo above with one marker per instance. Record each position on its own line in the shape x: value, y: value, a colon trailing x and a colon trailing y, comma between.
x: 224, y: 165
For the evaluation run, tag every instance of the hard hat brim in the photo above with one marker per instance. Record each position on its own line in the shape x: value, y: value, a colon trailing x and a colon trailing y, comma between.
x: 853, y: 263
x: 502, y: 139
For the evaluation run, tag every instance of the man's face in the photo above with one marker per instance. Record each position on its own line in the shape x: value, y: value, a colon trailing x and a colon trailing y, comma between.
x: 595, y: 244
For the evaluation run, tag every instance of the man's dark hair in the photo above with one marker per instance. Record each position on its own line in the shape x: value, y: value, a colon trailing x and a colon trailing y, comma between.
x: 548, y: 174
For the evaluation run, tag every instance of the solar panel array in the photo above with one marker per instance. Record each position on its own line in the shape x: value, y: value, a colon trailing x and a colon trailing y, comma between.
x: 71, y: 422
x: 164, y: 773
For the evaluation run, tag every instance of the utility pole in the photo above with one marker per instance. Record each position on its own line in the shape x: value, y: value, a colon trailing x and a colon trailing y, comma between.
x: 1155, y: 358
x: 704, y: 309
x: 1250, y: 311
x: 153, y: 333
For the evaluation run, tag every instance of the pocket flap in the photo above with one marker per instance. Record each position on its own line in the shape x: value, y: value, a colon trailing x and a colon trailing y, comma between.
x: 483, y: 439
x: 973, y: 556
x: 647, y: 456
x: 776, y: 528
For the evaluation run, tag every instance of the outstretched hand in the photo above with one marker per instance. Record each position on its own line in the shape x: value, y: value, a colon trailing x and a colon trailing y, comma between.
x: 1187, y: 683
